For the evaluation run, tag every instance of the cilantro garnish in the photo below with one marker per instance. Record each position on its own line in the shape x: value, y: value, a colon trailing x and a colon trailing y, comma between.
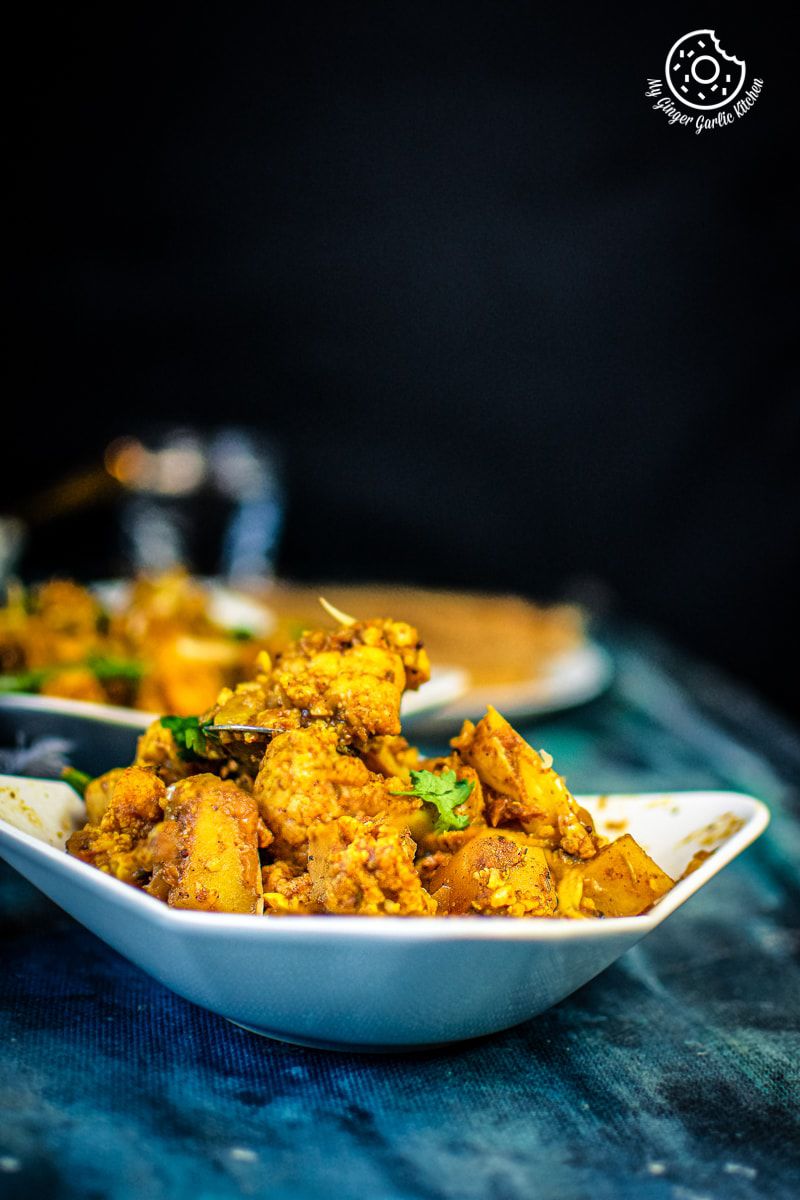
x: 445, y: 792
x: 25, y: 681
x: 78, y: 780
x: 240, y: 633
x: 104, y: 667
x: 188, y: 734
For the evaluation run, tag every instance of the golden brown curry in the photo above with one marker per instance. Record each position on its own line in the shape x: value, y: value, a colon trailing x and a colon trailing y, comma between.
x: 330, y: 810
x: 162, y: 652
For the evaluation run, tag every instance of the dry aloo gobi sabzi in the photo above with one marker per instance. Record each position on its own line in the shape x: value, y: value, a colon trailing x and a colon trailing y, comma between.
x: 162, y: 648
x: 330, y: 810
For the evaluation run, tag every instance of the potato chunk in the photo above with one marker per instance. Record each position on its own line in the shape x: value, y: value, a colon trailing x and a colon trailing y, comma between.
x: 205, y: 854
x: 98, y: 794
x: 75, y: 683
x: 522, y: 786
x: 498, y: 875
x: 622, y: 881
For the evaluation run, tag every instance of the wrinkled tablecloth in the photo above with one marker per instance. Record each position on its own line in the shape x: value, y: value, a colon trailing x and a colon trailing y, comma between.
x: 672, y: 1076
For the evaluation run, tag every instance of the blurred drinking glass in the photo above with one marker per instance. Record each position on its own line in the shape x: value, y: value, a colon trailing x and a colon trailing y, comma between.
x: 212, y: 502
x: 12, y: 540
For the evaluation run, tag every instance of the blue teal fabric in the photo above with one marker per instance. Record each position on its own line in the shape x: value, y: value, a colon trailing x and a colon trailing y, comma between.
x: 673, y: 1076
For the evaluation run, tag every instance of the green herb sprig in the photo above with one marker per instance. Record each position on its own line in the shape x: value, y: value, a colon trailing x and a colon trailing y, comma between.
x: 76, y: 779
x: 241, y: 633
x: 188, y: 734
x: 104, y: 668
x: 24, y: 681
x: 445, y: 792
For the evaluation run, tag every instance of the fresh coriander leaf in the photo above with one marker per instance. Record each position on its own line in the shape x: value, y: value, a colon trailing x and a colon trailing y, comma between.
x: 102, y: 668
x: 78, y: 780
x: 241, y: 634
x: 24, y: 681
x: 188, y: 735
x: 114, y: 668
x: 446, y: 792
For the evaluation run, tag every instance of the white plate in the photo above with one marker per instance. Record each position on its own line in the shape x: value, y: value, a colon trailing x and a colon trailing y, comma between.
x: 566, y: 680
x: 371, y: 983
x: 443, y: 687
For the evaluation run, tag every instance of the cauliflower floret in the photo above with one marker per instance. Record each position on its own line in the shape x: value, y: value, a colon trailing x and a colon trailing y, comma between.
x: 119, y: 844
x: 354, y: 677
x: 286, y: 892
x: 366, y: 868
x: 305, y: 780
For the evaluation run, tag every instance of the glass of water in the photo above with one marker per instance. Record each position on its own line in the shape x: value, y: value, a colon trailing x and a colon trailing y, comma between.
x: 210, y: 501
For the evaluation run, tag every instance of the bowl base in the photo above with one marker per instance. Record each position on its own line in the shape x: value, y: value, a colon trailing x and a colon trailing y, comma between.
x: 344, y: 1047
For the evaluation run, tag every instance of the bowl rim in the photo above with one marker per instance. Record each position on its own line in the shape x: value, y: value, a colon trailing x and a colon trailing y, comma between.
x: 407, y: 929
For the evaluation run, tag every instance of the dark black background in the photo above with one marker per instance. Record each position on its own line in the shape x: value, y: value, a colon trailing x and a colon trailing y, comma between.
x: 513, y: 330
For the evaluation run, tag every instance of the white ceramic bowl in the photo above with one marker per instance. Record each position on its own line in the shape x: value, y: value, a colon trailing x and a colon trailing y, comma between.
x: 362, y: 983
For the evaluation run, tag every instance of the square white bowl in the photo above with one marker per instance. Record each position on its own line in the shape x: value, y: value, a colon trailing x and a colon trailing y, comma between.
x: 372, y: 983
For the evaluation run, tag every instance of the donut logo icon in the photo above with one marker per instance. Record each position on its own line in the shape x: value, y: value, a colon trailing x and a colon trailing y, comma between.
x: 700, y: 74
